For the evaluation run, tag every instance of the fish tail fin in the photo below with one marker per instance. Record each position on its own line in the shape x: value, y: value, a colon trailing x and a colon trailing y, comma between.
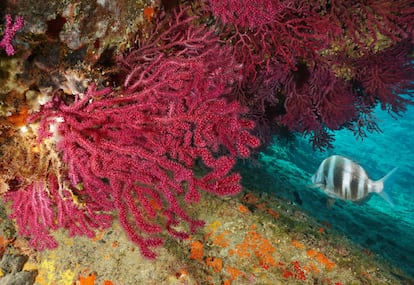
x: 382, y: 186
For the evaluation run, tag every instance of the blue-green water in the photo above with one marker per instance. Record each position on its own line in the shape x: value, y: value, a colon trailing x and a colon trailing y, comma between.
x: 285, y: 169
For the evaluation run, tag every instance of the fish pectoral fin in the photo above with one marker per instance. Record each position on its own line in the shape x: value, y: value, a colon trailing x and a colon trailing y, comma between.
x: 331, y: 194
x: 330, y: 202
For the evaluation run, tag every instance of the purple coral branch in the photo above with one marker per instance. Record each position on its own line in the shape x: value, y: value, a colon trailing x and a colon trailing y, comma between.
x: 9, y: 33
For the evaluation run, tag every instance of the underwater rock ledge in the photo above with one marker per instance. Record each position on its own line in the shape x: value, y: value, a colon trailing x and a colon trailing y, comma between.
x: 253, y: 238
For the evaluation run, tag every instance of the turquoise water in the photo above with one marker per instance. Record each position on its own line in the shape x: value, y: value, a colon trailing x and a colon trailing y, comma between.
x: 285, y: 169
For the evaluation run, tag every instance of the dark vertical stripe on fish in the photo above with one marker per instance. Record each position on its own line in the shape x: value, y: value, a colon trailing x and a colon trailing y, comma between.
x: 356, y: 177
x: 338, y: 177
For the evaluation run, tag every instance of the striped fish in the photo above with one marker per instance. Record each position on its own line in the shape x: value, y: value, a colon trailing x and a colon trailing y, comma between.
x: 342, y: 178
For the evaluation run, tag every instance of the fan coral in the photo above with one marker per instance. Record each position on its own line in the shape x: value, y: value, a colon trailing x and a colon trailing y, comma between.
x: 135, y: 151
x: 387, y: 77
x: 297, y: 47
x: 315, y: 100
x: 298, y: 31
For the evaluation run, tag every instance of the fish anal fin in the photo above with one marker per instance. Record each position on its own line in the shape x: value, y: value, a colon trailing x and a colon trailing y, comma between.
x: 316, y: 185
x: 386, y: 197
x: 330, y: 202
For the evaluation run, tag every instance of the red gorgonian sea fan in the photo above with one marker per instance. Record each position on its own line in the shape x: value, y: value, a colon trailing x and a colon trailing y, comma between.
x: 316, y: 100
x: 135, y: 150
x: 355, y: 40
x: 387, y: 77
x: 249, y: 14
x: 282, y: 33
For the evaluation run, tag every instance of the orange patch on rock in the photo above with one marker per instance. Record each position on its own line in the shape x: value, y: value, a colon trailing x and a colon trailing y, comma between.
x: 19, y: 119
x: 99, y: 235
x: 257, y: 245
x: 196, y: 250
x: 243, y: 209
x: 250, y: 198
x: 321, y: 258
x: 311, y: 252
x: 221, y: 240
x: 313, y: 267
x: 325, y: 261
x: 88, y: 280
x: 298, y: 244
x: 234, y: 272
x: 273, y: 213
x: 215, y: 262
x: 149, y: 13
